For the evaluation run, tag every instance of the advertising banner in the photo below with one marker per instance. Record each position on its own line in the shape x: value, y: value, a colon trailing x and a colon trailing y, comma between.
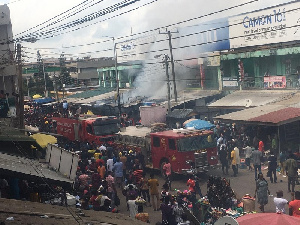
x: 273, y: 25
x: 187, y: 42
x: 275, y: 82
x: 230, y: 82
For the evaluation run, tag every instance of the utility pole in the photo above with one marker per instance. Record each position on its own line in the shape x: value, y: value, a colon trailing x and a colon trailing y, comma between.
x: 168, y: 82
x: 117, y: 77
x: 46, y: 95
x: 20, y: 98
x: 55, y: 87
x: 172, y: 62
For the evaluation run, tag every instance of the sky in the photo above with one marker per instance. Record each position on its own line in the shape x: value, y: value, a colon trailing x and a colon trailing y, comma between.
x: 145, y: 15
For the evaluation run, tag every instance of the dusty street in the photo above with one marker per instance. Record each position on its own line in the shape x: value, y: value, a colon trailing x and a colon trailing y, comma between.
x: 30, y: 213
x: 243, y: 184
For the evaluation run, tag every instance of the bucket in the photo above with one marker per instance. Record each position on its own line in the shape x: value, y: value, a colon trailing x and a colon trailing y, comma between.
x: 243, y: 164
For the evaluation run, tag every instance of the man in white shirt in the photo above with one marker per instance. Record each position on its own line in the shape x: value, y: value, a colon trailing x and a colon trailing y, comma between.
x: 110, y: 165
x: 248, y: 153
x: 280, y: 202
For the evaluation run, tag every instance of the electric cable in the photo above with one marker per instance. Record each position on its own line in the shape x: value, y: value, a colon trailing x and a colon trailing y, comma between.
x: 187, y: 35
x: 85, y: 19
x: 74, y: 7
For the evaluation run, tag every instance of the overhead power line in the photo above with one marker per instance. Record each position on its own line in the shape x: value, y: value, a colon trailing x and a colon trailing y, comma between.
x: 57, y: 16
x: 85, y: 19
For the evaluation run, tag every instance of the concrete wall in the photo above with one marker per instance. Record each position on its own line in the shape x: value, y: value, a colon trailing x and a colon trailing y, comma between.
x: 152, y: 114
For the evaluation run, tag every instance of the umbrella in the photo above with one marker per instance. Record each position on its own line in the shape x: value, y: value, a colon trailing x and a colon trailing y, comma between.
x: 44, y: 139
x: 268, y: 218
x: 187, y: 121
x: 199, y: 124
x: 36, y: 96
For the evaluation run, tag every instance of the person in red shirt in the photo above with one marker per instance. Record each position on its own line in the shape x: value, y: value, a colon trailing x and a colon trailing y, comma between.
x: 294, y: 206
x: 94, y: 201
x: 191, y: 184
x: 261, y: 146
x: 167, y: 170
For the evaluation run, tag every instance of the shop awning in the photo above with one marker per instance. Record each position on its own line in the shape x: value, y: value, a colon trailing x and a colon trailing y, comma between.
x: 249, y: 99
x: 272, y: 115
x: 43, y: 139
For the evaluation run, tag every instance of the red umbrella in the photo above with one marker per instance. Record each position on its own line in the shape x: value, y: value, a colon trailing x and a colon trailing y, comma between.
x: 268, y: 219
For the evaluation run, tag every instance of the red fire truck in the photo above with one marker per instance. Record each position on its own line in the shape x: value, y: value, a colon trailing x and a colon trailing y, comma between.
x: 180, y: 147
x: 87, y: 129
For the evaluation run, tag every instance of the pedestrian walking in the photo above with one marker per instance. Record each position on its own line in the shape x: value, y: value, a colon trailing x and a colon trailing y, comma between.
x: 280, y: 202
x: 118, y: 169
x: 261, y: 146
x: 294, y: 205
x: 123, y: 159
x: 153, y: 186
x: 144, y: 188
x: 291, y: 168
x: 224, y: 159
x: 282, y: 159
x: 238, y: 159
x: 167, y: 171
x: 233, y: 163
x: 272, y: 160
x: 262, y: 192
x: 248, y: 154
x: 110, y: 165
x: 256, y: 157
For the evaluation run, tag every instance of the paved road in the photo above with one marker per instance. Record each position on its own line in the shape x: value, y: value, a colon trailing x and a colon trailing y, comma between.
x: 243, y: 184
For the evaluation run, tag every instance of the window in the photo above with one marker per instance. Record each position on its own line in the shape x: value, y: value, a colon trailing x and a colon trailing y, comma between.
x: 195, y: 143
x: 89, y: 129
x: 156, y: 141
x: 172, y: 145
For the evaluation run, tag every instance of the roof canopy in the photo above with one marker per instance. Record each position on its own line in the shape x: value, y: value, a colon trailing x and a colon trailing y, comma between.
x: 272, y: 115
x: 247, y: 99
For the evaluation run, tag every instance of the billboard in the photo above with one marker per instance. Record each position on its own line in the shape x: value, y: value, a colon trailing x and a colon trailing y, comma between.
x: 272, y: 25
x: 274, y: 82
x: 187, y: 42
x: 135, y: 49
x: 230, y: 82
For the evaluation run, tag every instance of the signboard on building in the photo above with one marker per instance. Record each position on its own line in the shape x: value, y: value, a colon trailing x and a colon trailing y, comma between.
x: 275, y: 82
x: 230, y: 82
x: 134, y: 49
x: 272, y: 25
x: 187, y: 42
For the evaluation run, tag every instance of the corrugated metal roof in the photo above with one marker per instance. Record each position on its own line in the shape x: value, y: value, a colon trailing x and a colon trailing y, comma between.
x: 247, y: 114
x: 244, y: 99
x: 278, y: 116
x: 95, y: 98
x: 29, y: 167
x: 190, y: 95
x: 180, y: 113
x: 284, y: 111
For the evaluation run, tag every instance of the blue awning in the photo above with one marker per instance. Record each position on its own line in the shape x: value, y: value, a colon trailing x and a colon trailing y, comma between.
x: 200, y: 124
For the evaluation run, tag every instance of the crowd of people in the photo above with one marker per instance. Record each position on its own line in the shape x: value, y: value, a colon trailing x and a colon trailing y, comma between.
x: 108, y: 171
x: 231, y: 140
x: 104, y: 173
